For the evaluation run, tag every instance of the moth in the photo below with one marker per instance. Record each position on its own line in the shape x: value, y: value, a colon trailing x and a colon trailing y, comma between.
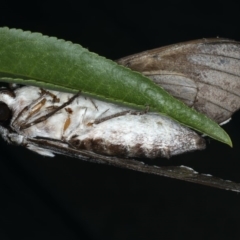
x: 51, y: 122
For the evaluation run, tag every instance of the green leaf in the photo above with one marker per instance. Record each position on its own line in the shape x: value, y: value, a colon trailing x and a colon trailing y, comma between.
x: 33, y: 59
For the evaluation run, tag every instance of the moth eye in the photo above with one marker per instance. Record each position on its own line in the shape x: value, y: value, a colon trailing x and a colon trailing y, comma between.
x: 5, y: 112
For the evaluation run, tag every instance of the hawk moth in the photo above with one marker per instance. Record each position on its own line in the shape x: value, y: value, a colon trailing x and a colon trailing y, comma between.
x: 206, y: 74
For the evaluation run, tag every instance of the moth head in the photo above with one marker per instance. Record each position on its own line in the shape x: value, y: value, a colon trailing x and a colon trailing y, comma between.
x: 6, y: 99
x: 5, y: 112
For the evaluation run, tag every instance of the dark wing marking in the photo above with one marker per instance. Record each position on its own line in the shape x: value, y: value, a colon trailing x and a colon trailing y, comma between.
x: 205, y: 74
x: 176, y: 172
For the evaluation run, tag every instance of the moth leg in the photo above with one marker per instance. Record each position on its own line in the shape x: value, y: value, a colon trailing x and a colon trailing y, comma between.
x: 37, y: 103
x: 123, y: 113
x: 55, y: 99
x: 40, y: 145
x: 30, y: 110
x: 46, y: 116
x: 67, y: 120
x: 17, y: 139
x: 225, y: 122
x: 39, y: 150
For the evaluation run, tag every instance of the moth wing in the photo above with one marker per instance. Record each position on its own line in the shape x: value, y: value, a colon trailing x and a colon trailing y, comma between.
x: 176, y: 172
x: 205, y: 74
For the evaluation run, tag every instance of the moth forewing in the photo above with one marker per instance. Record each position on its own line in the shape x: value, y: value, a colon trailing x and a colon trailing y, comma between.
x: 176, y: 172
x: 204, y: 74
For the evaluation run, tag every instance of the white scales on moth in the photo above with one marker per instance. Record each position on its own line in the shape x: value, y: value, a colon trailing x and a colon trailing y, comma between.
x: 88, y: 124
x: 51, y: 122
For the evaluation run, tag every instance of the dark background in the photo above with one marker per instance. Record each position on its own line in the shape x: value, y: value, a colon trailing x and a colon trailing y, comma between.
x: 64, y: 198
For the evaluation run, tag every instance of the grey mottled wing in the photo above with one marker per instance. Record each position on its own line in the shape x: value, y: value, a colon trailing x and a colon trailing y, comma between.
x: 176, y: 172
x: 205, y: 74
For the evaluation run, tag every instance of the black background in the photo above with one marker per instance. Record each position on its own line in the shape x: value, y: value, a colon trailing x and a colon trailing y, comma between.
x: 66, y: 198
